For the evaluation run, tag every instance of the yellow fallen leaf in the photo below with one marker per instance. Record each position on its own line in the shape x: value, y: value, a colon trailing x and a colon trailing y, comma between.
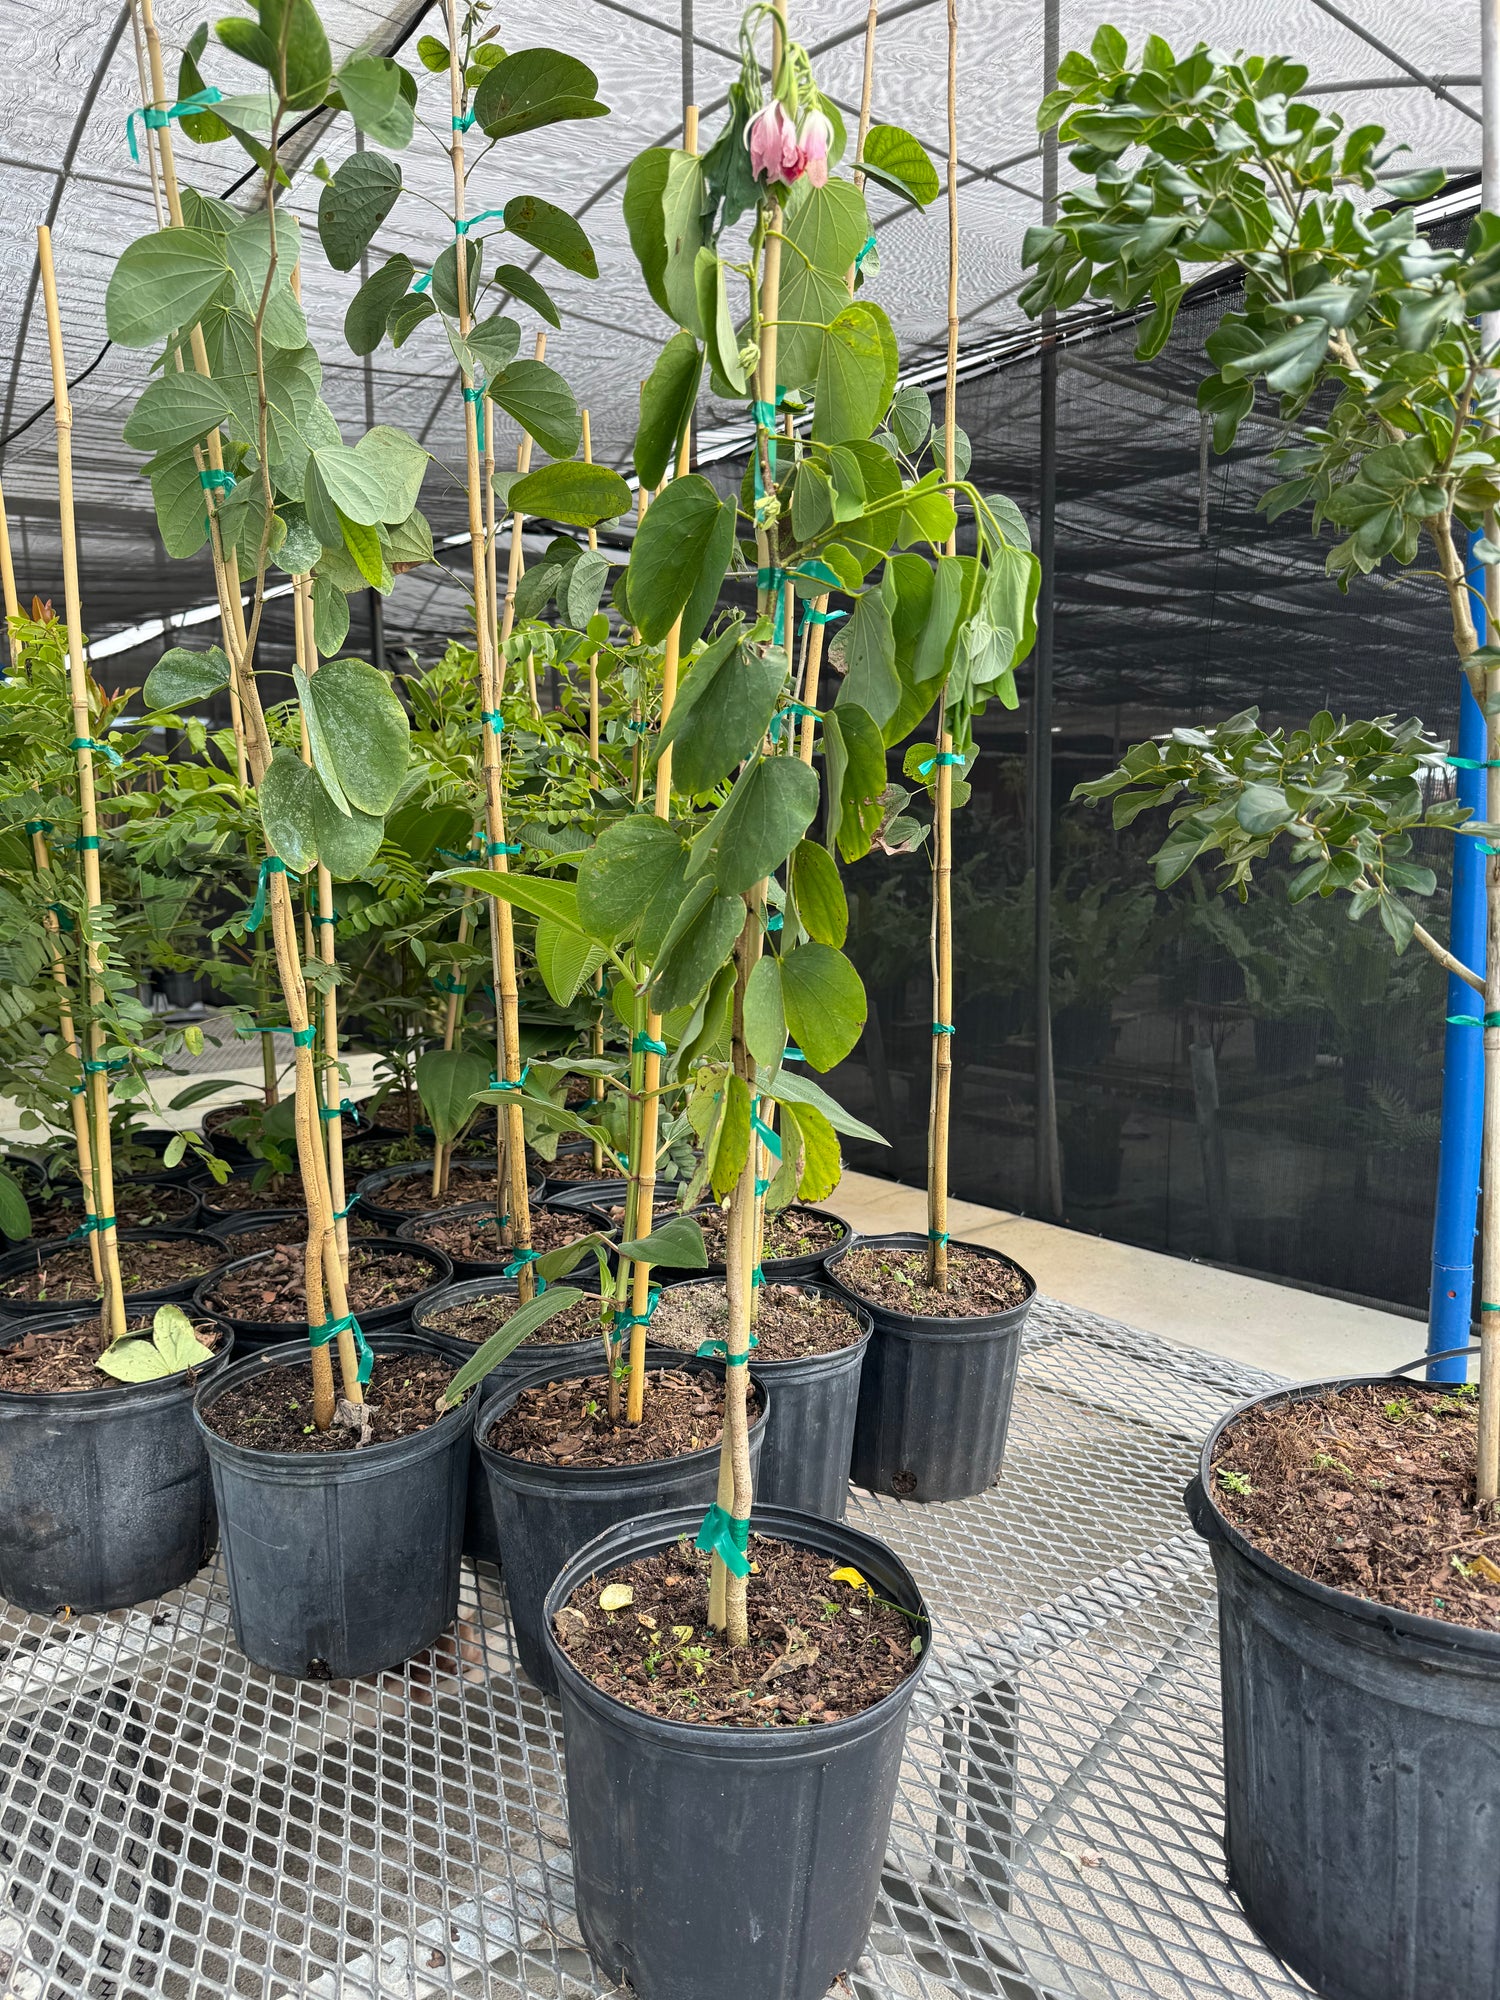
x: 848, y: 1575
x: 682, y: 1633
x: 615, y: 1597
x: 1485, y: 1568
x: 645, y: 1618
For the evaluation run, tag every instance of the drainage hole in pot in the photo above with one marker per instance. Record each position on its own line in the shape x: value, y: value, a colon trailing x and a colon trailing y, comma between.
x: 824, y: 1643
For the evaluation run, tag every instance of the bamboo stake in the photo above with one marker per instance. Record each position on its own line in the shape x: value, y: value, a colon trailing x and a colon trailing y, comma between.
x: 942, y: 856
x: 95, y: 1078
x: 8, y: 587
x: 588, y: 459
x: 813, y: 660
x: 502, y: 929
x: 643, y: 1161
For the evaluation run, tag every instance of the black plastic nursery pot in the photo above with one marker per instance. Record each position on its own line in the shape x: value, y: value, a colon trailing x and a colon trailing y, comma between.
x: 216, y: 1210
x: 786, y: 1270
x: 741, y: 1863
x: 934, y: 1394
x: 481, y: 1534
x: 804, y: 1463
x: 105, y: 1494
x: 1360, y: 1749
x: 413, y: 1230
x: 544, y: 1512
x: 340, y: 1563
x: 388, y: 1215
x: 16, y: 1263
x: 253, y: 1335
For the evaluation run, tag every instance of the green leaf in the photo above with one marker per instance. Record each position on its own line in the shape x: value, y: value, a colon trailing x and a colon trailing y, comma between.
x: 353, y: 205
x: 565, y: 959
x: 631, y: 881
x: 676, y: 1245
x: 447, y: 1080
x: 910, y: 418
x: 532, y: 88
x: 293, y: 28
x: 539, y: 894
x: 433, y: 54
x: 896, y: 161
x: 363, y: 543
x: 850, y: 396
x: 668, y: 396
x: 523, y: 286
x: 303, y: 826
x: 181, y: 678
x: 789, y: 1086
x: 771, y: 807
x: 407, y: 314
x: 358, y: 730
x: 552, y: 231
x: 825, y: 1002
x: 584, y: 588
x: 163, y: 281
x: 494, y: 342
x: 818, y: 892
x: 330, y: 615
x: 934, y: 650
x: 678, y: 559
x: 729, y: 1149
x: 765, y: 1016
x: 15, y: 1216
x: 1263, y: 809
x: 341, y: 481
x: 371, y: 89
x: 541, y: 403
x: 714, y: 316
x: 682, y: 225
x: 578, y: 494
x: 723, y: 709
x: 855, y: 752
x: 177, y: 495
x: 866, y: 647
x: 520, y: 1326
x: 645, y: 190
x: 176, y: 409
x: 822, y: 1160
x: 135, y: 1360
x: 829, y: 229
x: 444, y: 288
x: 700, y: 939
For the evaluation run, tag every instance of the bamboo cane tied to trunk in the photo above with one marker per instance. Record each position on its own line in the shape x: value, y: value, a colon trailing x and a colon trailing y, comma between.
x: 95, y: 1081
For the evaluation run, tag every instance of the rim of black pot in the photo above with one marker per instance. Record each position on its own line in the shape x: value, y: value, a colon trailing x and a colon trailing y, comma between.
x: 367, y: 1187
x: 48, y: 1246
x: 206, y: 1187
x: 545, y: 1372
x: 861, y: 1315
x: 410, y: 1230
x: 224, y: 1226
x: 661, y: 1530
x: 461, y: 1290
x: 72, y: 1193
x: 261, y: 1328
x: 776, y: 1267
x: 109, y: 1390
x: 1388, y: 1618
x: 908, y: 1239
x: 606, y: 1194
x: 287, y: 1355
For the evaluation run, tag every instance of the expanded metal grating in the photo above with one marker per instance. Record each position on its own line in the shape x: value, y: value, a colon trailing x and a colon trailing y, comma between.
x: 177, y: 1823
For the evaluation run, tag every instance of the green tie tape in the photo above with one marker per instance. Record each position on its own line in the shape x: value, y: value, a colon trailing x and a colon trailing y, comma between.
x: 93, y: 743
x: 448, y: 984
x: 504, y: 1083
x: 154, y: 119
x: 519, y: 1260
x: 495, y: 720
x: 39, y: 826
x: 272, y: 865
x: 1474, y: 763
x: 462, y: 124
x: 769, y: 1139
x: 647, y: 1045
x: 942, y: 1027
x: 937, y: 1236
x: 91, y: 1223
x: 708, y: 1349
x: 624, y: 1319
x: 464, y: 223
x: 722, y: 1536
x: 1472, y: 1020
x: 319, y: 1336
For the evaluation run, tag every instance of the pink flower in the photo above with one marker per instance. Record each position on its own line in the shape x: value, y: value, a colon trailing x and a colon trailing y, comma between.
x: 775, y: 151
x: 817, y: 133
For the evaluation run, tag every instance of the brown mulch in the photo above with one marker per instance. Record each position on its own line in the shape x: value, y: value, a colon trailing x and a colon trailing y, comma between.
x: 795, y: 1232
x: 273, y: 1411
x: 476, y: 1238
x: 143, y: 1206
x: 240, y: 1194
x: 292, y: 1228
x: 788, y: 1323
x: 144, y: 1267
x: 820, y: 1648
x: 412, y: 1193
x: 476, y: 1319
x: 567, y: 1423
x: 224, y: 1115
x: 897, y: 1279
x: 580, y: 1167
x: 272, y: 1290
x: 41, y: 1363
x: 1369, y: 1491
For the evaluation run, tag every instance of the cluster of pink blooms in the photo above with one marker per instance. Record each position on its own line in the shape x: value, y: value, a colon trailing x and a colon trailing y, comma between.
x: 782, y: 151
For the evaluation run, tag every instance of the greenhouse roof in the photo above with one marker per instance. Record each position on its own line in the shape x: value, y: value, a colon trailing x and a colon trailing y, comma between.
x: 74, y: 79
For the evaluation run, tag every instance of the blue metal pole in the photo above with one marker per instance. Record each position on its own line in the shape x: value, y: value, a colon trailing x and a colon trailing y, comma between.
x: 1450, y: 1315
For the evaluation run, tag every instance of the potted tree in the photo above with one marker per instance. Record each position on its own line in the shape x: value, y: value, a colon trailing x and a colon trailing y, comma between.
x: 1348, y: 1520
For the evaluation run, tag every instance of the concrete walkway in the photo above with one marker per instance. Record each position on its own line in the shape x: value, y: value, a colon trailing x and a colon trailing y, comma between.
x: 1276, y: 1327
